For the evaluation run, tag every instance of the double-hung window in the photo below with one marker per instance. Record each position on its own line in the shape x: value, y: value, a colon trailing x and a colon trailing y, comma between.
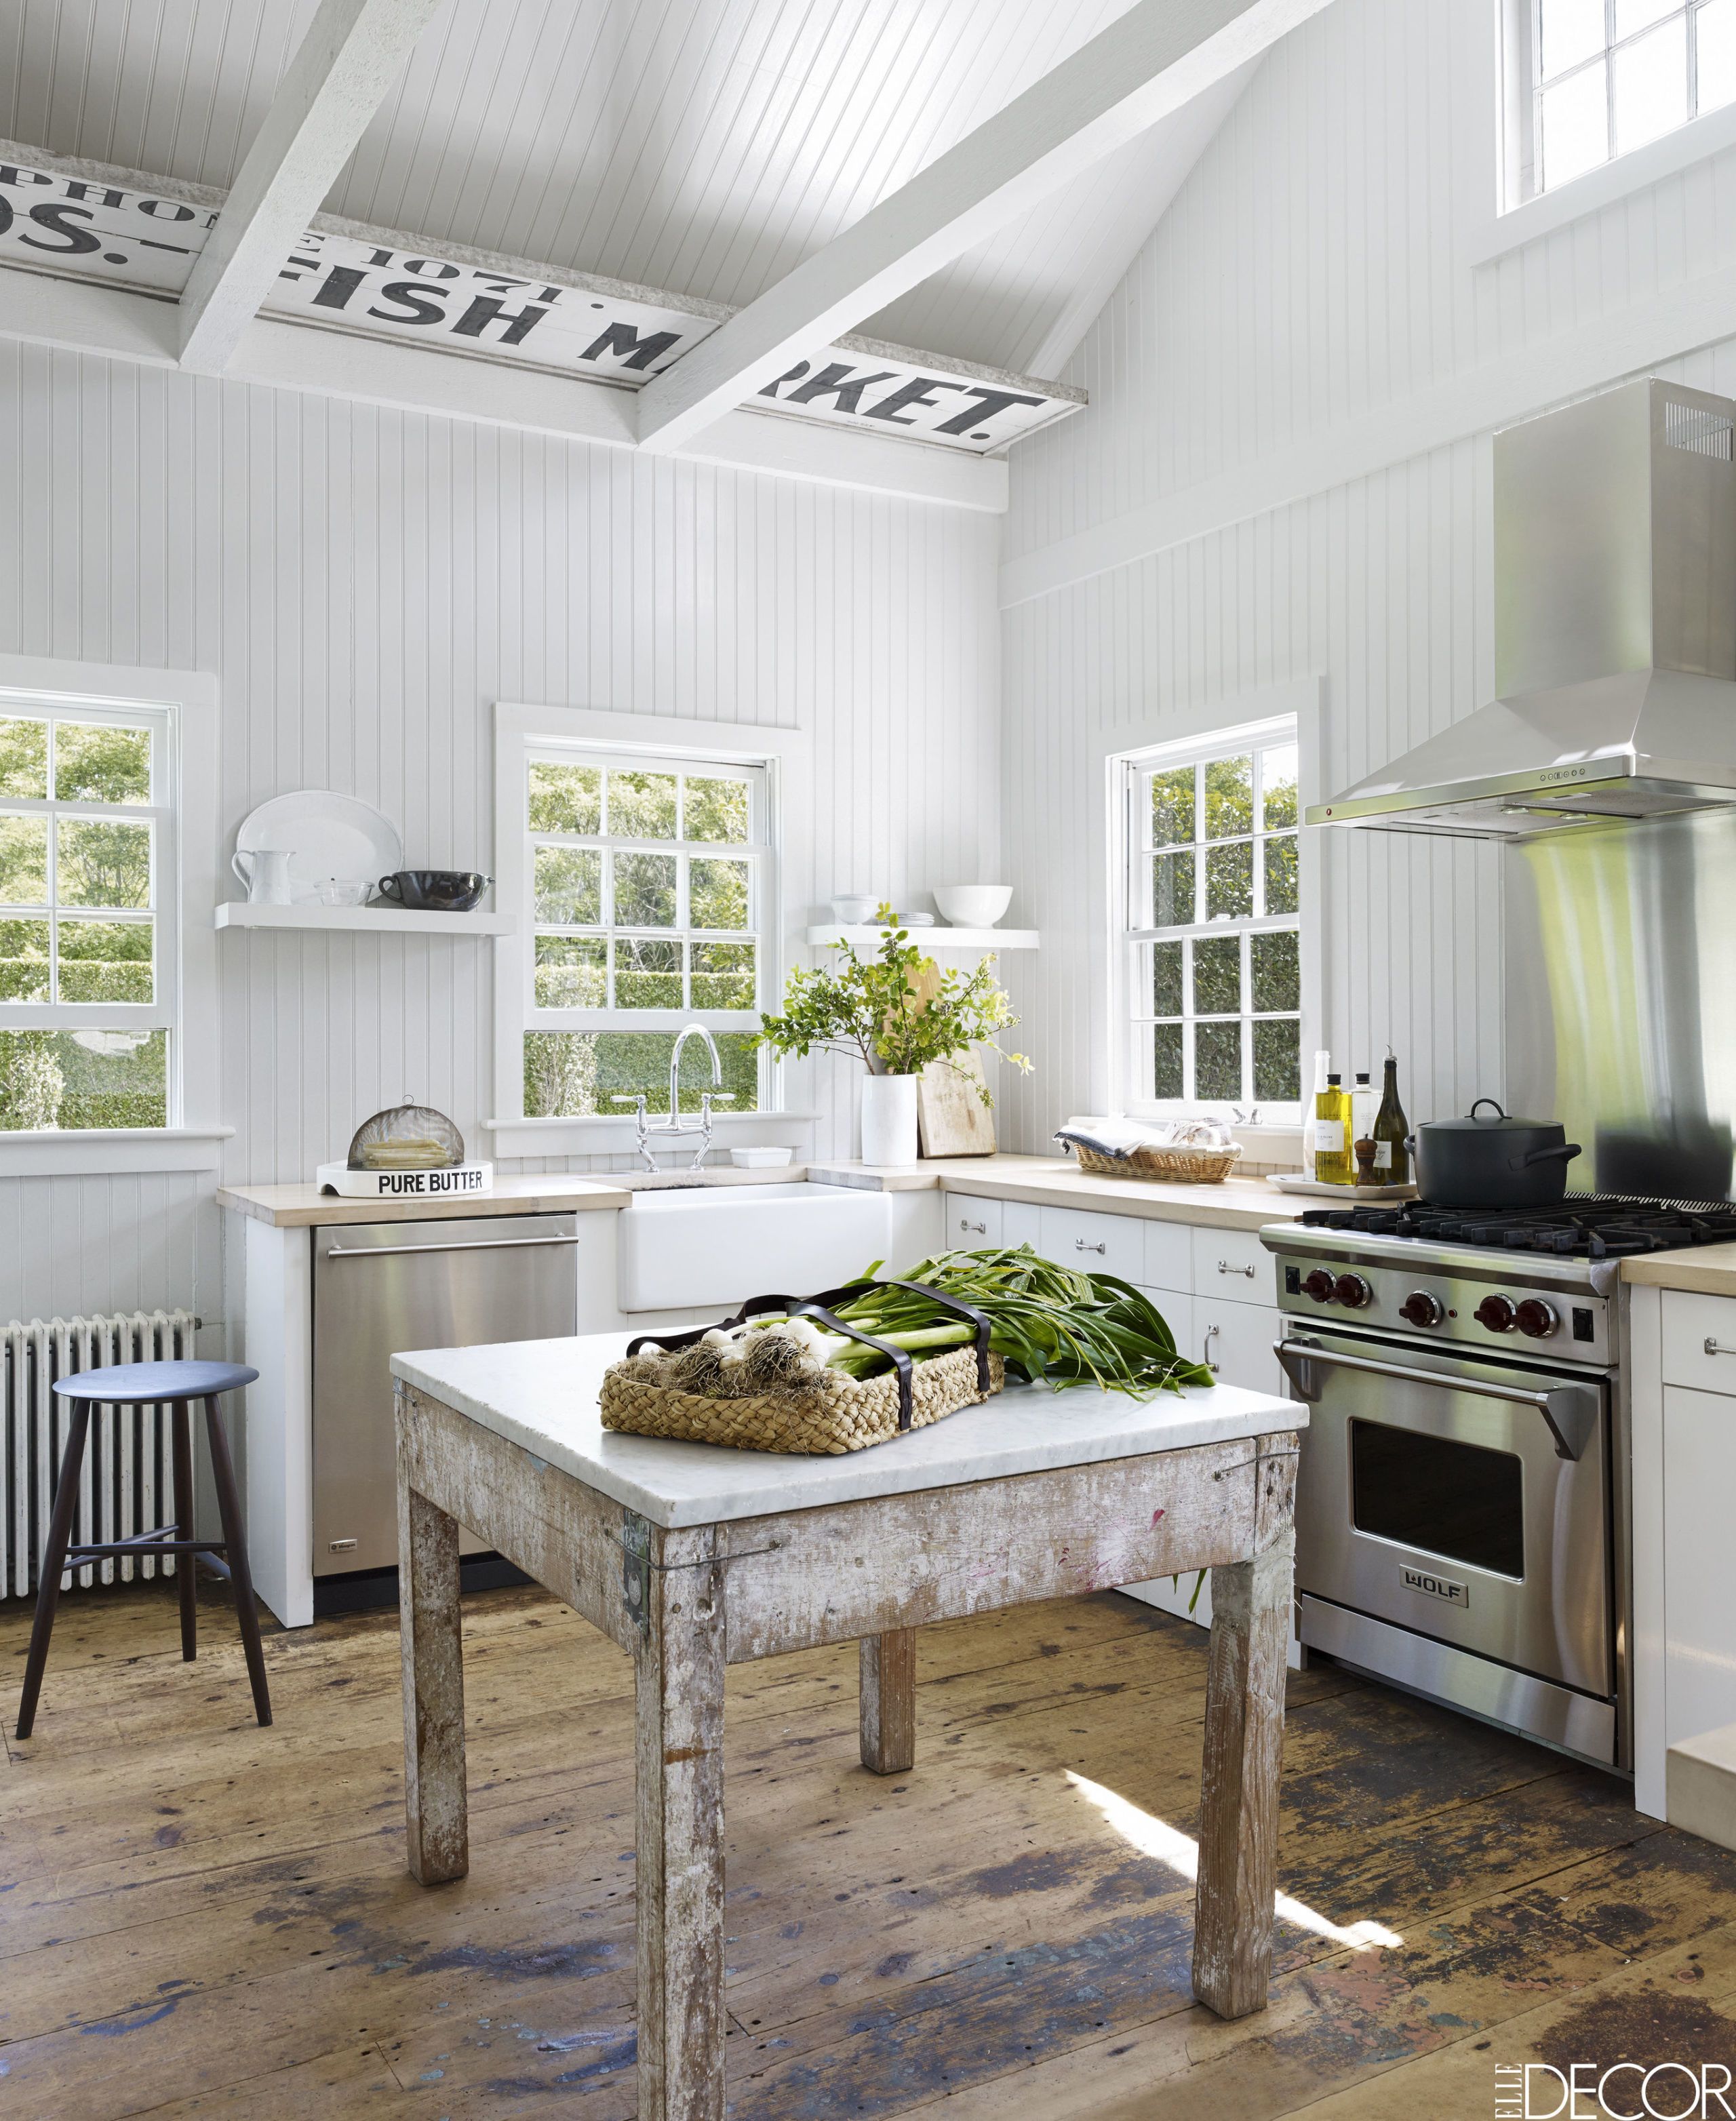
x: 1209, y: 929
x: 647, y: 895
x: 1591, y: 80
x: 89, y: 933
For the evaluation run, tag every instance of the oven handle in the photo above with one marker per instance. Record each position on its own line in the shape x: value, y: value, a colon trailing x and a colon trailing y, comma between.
x: 1571, y: 1424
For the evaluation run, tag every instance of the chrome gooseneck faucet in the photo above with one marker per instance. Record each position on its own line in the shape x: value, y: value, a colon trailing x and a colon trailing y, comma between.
x: 674, y: 1124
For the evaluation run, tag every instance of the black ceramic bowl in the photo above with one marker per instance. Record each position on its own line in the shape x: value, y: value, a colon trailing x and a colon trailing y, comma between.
x: 435, y: 890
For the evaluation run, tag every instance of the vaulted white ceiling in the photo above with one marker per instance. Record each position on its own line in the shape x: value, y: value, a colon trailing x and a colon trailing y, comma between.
x: 702, y: 145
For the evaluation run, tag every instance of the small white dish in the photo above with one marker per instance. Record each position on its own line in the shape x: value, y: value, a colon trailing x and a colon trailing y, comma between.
x: 761, y: 1159
x: 973, y: 904
x: 325, y: 835
x: 1293, y: 1181
x: 913, y: 920
x: 854, y: 908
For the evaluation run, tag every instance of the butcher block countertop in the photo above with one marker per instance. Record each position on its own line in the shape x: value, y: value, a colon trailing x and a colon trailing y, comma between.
x: 1707, y: 1269
x: 1049, y: 1182
x: 294, y: 1207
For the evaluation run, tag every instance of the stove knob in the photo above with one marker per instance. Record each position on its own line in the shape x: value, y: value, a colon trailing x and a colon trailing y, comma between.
x: 1318, y: 1284
x: 1421, y: 1308
x: 1537, y: 1319
x: 1497, y: 1313
x: 1352, y: 1291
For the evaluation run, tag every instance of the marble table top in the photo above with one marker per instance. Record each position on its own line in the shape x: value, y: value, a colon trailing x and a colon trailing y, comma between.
x: 543, y: 1394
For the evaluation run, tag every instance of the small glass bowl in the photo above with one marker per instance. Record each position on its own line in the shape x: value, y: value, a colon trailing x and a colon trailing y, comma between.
x: 345, y: 891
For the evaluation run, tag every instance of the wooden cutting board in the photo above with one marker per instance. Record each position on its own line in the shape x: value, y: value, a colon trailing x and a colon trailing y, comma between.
x: 951, y: 1118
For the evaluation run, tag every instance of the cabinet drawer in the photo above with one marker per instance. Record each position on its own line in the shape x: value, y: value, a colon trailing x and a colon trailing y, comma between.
x: 1233, y: 1266
x: 1690, y: 1323
x: 971, y: 1223
x: 1168, y: 1255
x: 1100, y: 1244
x: 1021, y: 1223
x: 1237, y: 1339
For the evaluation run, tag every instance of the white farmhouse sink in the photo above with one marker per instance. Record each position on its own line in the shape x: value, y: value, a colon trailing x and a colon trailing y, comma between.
x: 707, y: 1245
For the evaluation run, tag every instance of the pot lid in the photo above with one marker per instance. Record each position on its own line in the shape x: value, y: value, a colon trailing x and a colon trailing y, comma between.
x: 1478, y: 1121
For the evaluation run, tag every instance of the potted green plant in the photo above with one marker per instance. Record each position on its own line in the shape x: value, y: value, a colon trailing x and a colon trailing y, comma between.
x: 896, y: 1012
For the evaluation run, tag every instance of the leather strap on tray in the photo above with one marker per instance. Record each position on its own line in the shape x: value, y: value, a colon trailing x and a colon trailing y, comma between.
x: 816, y: 1307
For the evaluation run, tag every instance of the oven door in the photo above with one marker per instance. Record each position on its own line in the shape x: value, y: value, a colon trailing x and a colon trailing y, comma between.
x: 1464, y: 1501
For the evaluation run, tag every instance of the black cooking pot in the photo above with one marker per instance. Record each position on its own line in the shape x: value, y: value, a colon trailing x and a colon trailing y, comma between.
x: 1479, y: 1162
x: 435, y: 890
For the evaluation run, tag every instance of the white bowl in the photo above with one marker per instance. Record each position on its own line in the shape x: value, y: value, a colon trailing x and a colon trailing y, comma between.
x: 974, y: 905
x: 852, y: 910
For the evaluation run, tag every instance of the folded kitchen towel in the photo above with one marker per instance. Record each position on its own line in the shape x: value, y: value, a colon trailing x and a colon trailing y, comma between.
x: 1116, y: 1138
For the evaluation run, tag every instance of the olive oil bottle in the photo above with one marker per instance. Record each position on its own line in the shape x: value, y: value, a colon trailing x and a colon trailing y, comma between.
x: 1334, y: 1165
x: 1391, y: 1130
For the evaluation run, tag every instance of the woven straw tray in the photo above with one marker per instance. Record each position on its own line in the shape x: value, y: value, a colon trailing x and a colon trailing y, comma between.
x: 835, y: 1415
x: 1181, y: 1165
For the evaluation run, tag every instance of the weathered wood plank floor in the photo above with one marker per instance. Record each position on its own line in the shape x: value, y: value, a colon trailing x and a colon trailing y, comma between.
x: 198, y: 1916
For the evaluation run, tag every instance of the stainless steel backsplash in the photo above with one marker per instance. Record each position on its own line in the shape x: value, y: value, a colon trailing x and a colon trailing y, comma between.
x: 1621, y: 980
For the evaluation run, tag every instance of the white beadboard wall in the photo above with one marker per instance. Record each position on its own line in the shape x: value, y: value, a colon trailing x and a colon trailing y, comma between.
x: 365, y: 583
x: 1309, y: 271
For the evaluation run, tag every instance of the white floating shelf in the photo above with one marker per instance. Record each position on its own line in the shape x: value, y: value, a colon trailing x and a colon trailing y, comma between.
x: 933, y: 938
x: 363, y: 920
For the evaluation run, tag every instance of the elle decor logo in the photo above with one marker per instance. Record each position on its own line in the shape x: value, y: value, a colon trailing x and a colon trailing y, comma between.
x: 1623, y: 2091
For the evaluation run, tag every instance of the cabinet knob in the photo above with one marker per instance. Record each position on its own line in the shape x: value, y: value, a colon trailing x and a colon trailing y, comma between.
x: 1080, y: 1246
x: 1211, y: 1334
x: 1717, y: 1347
x: 1225, y: 1267
x: 981, y: 1228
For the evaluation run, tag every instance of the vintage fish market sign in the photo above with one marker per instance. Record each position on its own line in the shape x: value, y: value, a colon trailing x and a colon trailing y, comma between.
x: 83, y: 222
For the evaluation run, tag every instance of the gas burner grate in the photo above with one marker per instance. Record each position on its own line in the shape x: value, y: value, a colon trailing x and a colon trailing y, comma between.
x: 1588, y: 1226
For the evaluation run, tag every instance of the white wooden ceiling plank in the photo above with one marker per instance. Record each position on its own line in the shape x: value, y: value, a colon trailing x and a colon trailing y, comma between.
x: 349, y: 58
x: 1152, y: 61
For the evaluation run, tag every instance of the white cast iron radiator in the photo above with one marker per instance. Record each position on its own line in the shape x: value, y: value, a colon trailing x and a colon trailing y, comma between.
x: 127, y: 1486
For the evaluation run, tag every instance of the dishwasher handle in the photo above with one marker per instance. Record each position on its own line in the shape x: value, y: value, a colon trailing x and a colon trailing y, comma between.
x: 458, y: 1245
x: 1571, y: 1423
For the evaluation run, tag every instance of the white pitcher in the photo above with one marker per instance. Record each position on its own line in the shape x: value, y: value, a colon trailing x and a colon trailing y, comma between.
x: 265, y: 872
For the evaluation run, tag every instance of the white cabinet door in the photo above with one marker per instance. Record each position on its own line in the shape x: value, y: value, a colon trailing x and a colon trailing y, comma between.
x: 971, y: 1223
x: 1168, y: 1255
x: 1236, y: 1340
x: 1699, y: 1615
x: 1021, y: 1223
x: 1100, y: 1244
x: 1233, y: 1266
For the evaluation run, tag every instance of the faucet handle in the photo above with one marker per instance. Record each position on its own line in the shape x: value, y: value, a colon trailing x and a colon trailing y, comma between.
x: 717, y: 1098
x: 623, y: 1098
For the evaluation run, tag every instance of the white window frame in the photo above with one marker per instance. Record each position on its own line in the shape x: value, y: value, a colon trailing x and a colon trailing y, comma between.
x: 181, y: 706
x: 1278, y: 714
x: 1516, y: 213
x: 656, y: 742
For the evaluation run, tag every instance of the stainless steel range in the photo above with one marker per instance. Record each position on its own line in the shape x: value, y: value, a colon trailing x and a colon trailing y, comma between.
x: 1462, y: 1508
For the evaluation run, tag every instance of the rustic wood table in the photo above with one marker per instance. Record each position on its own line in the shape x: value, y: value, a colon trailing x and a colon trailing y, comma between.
x: 692, y: 1558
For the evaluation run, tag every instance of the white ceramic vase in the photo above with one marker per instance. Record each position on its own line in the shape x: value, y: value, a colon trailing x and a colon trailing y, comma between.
x: 889, y: 1119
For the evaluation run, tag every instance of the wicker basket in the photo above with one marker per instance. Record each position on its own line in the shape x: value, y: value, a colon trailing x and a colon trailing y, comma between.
x: 1182, y: 1165
x: 834, y: 1414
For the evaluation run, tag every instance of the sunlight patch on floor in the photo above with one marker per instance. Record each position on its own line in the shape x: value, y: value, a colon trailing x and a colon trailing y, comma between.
x: 1153, y: 1837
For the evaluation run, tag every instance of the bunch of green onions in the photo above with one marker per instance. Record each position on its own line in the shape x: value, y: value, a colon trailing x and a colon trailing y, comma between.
x: 1050, y: 1324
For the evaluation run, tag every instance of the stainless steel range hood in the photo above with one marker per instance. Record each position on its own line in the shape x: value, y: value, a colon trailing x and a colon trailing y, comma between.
x: 1615, y: 633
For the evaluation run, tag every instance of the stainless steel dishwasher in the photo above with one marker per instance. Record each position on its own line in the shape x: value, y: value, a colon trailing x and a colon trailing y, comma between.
x: 383, y: 1288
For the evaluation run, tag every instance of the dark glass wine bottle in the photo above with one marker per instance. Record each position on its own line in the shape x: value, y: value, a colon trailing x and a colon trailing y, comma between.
x: 1392, y: 1158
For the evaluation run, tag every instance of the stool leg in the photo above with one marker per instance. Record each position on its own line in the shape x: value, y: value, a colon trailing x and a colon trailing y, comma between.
x: 185, y: 1574
x: 52, y: 1566
x: 229, y: 1508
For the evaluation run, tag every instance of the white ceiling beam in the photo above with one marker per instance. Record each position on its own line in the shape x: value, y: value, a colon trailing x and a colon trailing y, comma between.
x: 1156, y: 57
x: 338, y: 79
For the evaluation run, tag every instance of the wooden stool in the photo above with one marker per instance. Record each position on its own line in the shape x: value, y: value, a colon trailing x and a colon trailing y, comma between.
x: 151, y: 1384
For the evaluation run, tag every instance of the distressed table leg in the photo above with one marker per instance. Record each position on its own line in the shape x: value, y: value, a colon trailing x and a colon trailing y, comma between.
x: 679, y: 1880
x: 888, y: 1701
x: 436, y: 1810
x: 1239, y: 1798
